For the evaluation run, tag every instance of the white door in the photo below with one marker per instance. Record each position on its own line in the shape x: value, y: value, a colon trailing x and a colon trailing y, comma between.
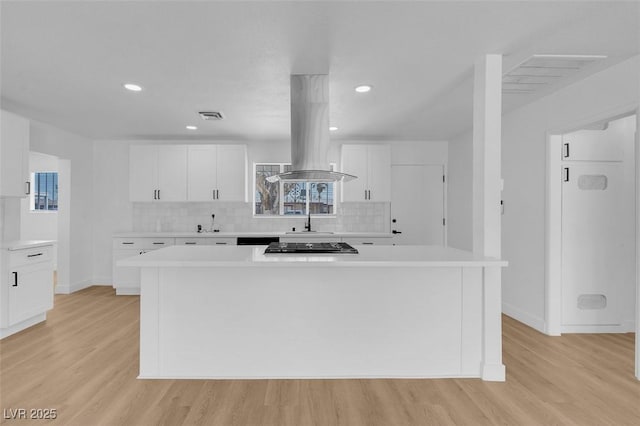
x: 595, y: 249
x: 417, y: 204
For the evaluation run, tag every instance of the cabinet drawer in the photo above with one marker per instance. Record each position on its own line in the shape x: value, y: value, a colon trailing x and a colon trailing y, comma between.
x: 142, y: 243
x: 196, y: 241
x: 222, y: 241
x: 29, y: 256
x: 368, y: 241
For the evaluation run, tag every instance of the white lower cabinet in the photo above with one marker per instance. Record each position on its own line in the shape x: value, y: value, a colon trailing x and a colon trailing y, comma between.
x: 368, y: 241
x: 126, y: 280
x: 27, y: 288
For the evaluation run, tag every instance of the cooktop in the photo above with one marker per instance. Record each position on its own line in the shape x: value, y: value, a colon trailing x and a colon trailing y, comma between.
x: 336, y: 248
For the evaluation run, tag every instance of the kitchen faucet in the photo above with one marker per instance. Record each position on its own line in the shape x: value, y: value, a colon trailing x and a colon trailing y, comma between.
x: 307, y: 226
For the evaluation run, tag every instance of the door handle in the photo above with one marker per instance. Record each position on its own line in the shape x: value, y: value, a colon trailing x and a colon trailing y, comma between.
x: 566, y: 150
x: 396, y: 232
x: 15, y: 279
x: 566, y: 174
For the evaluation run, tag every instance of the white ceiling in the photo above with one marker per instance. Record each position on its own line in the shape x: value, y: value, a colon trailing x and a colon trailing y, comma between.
x: 65, y: 62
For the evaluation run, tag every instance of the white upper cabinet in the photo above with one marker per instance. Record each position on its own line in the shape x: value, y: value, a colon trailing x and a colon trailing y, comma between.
x: 14, y: 155
x: 372, y: 165
x: 217, y: 173
x: 158, y: 173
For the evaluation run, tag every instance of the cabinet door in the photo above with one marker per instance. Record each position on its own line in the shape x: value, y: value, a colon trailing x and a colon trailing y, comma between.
x: 354, y: 162
x: 232, y: 172
x: 379, y: 172
x: 14, y: 155
x: 30, y: 291
x: 172, y: 173
x: 143, y: 172
x: 125, y: 277
x: 201, y: 176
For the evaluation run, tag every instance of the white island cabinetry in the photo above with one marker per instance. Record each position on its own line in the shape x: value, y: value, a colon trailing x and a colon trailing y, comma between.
x: 27, y: 285
x: 211, y: 312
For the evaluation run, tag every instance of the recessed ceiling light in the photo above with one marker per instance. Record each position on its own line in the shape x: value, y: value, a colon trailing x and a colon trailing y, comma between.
x: 192, y: 127
x: 364, y: 88
x: 133, y: 87
x: 333, y: 128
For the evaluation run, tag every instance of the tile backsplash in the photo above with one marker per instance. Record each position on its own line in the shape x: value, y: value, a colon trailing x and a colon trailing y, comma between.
x: 238, y: 217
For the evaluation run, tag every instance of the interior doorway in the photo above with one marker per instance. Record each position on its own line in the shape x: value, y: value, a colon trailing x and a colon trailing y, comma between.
x: 418, y: 216
x: 592, y: 228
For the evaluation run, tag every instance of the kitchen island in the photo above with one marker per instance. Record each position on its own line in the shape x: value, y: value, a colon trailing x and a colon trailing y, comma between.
x: 389, y: 311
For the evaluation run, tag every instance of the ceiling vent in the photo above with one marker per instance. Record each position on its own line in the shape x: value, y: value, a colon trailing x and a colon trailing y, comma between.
x: 211, y: 115
x: 540, y: 72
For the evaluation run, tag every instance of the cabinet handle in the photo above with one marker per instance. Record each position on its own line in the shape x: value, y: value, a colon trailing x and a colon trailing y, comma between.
x: 365, y: 194
x: 28, y: 187
x: 566, y: 150
x: 190, y: 243
x: 364, y: 243
x: 222, y: 244
x: 213, y: 194
x: 156, y: 244
x: 15, y: 279
x: 217, y: 194
x: 34, y: 255
x: 566, y: 174
x: 158, y: 194
x: 126, y: 243
x: 155, y: 191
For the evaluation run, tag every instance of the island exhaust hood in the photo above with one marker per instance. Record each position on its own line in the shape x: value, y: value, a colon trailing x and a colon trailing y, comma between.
x: 310, y: 132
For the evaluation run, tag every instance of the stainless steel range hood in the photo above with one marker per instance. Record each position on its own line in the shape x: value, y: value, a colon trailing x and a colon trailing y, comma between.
x: 310, y: 132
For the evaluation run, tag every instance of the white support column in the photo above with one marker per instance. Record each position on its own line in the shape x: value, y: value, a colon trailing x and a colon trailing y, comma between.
x: 487, y: 187
x: 487, y: 131
x: 492, y: 367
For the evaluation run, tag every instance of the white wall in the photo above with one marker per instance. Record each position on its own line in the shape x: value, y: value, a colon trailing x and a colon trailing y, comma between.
x: 75, y: 245
x: 112, y: 211
x: 524, y: 138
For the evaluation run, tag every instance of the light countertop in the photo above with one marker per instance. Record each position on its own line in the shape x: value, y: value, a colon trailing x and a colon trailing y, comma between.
x: 250, y: 234
x: 25, y: 244
x: 253, y: 256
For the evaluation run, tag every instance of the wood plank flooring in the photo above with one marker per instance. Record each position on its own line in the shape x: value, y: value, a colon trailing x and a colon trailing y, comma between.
x: 83, y: 362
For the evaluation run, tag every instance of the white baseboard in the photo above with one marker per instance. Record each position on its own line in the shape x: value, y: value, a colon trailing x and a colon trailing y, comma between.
x: 524, y: 317
x: 102, y: 281
x: 72, y: 288
x: 625, y: 327
x: 127, y: 291
x: 6, y: 332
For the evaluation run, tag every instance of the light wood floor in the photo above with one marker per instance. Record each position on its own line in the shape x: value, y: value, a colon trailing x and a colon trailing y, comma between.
x: 84, y: 360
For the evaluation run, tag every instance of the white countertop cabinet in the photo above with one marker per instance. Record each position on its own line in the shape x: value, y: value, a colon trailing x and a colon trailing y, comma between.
x: 27, y: 286
x: 372, y: 165
x: 217, y: 172
x: 14, y: 155
x: 158, y: 173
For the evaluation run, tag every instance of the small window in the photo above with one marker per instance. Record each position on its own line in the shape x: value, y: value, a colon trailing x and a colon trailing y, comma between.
x: 44, y: 196
x: 290, y: 198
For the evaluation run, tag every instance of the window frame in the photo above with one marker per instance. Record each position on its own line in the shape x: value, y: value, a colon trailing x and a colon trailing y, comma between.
x: 34, y: 186
x: 281, y: 197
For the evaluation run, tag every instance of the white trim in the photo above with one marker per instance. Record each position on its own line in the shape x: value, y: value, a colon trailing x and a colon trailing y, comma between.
x: 613, y: 328
x: 524, y: 317
x: 6, y: 332
x: 553, y: 237
x: 72, y: 288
